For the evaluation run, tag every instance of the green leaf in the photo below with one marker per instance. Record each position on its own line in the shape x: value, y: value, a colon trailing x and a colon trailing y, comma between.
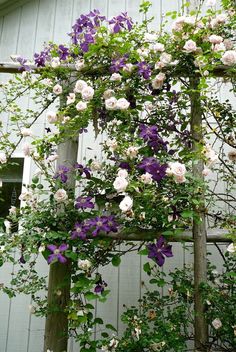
x: 98, y: 321
x: 143, y: 251
x: 111, y: 327
x: 147, y: 268
x: 116, y: 260
x: 187, y: 214
x: 90, y: 296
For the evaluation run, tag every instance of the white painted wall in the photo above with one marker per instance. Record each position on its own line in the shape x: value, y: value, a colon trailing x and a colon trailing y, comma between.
x: 23, y: 31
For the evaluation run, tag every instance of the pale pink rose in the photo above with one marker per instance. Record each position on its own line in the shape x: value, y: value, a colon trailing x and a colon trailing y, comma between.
x: 158, y: 81
x: 79, y: 86
x: 122, y: 104
x: 81, y: 105
x: 84, y: 264
x: 228, y: 44
x: 55, y: 62
x: 178, y: 24
x: 216, y: 323
x: 179, y: 179
x: 60, y: 196
x: 51, y: 116
x: 190, y: 46
x: 229, y: 58
x: 65, y: 119
x: 215, y: 39
x: 26, y: 195
x: 115, y: 77
x: 70, y: 99
x: 176, y: 169
x: 12, y: 210
x: 150, y: 37
x: 126, y: 204
x: 132, y: 152
x: 158, y: 47
x: 111, y: 103
x: 123, y: 173
x: 219, y: 47
x: 218, y: 20
x: 79, y: 65
x: 206, y: 172
x: 120, y: 184
x: 57, y: 89
x: 231, y: 248
x: 87, y: 93
x: 3, y: 158
x: 143, y: 53
x: 95, y: 165
x: 128, y: 68
x: 47, y: 82
x: 146, y: 178
x: 26, y: 132
x: 210, y: 154
x: 111, y: 144
x: 26, y: 148
x: 52, y: 158
x: 165, y: 58
x: 108, y: 94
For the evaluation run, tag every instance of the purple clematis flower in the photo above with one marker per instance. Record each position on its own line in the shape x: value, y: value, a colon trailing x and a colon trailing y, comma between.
x: 84, y: 202
x: 41, y: 58
x: 56, y: 253
x: 117, y: 64
x: 100, y: 286
x: 23, y: 62
x: 83, y: 170
x: 120, y: 22
x: 100, y: 224
x: 144, y: 69
x: 159, y: 250
x: 79, y: 231
x: 151, y: 136
x: 62, y: 173
x: 63, y: 52
x: 88, y: 39
x: 153, y: 167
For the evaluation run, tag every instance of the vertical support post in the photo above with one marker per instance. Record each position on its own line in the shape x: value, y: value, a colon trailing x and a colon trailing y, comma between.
x: 56, y: 326
x: 199, y: 228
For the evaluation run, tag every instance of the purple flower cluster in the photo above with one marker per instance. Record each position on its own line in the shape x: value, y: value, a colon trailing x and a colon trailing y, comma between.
x: 159, y: 250
x: 56, y: 253
x: 23, y: 62
x: 41, y: 58
x: 85, y: 29
x: 120, y: 22
x: 63, y: 52
x: 117, y: 64
x: 100, y: 284
x: 151, y: 136
x: 62, y: 173
x: 84, y: 203
x: 95, y: 226
x: 83, y: 170
x: 153, y: 167
x: 144, y: 69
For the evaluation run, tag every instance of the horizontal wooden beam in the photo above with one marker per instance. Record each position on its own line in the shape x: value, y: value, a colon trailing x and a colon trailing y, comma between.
x: 137, y: 234
x: 12, y: 67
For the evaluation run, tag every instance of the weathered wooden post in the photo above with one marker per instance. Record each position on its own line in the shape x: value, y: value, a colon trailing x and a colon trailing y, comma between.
x: 56, y: 326
x: 199, y: 227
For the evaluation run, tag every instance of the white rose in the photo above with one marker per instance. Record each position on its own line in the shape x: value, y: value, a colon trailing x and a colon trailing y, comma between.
x: 158, y: 81
x: 177, y: 169
x: 7, y: 226
x: 210, y: 154
x: 120, y: 184
x: 81, y: 105
x: 217, y: 324
x: 123, y: 173
x: 150, y: 37
x: 190, y: 46
x: 95, y: 165
x: 132, y: 152
x: 80, y: 85
x: 115, y: 77
x: 3, y: 158
x: 146, y: 178
x: 111, y: 103
x: 111, y: 144
x: 231, y: 248
x: 26, y: 132
x: 52, y: 158
x: 26, y: 196
x: 87, y: 93
x: 206, y: 172
x: 60, y: 196
x: 84, y: 264
x: 55, y: 62
x: 229, y: 58
x: 158, y: 47
x: 51, y: 117
x: 122, y: 104
x: 215, y: 39
x: 79, y: 64
x: 70, y: 99
x: 57, y: 89
x: 126, y: 204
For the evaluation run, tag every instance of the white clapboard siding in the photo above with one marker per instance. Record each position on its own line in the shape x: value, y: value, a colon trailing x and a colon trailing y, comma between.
x: 24, y: 31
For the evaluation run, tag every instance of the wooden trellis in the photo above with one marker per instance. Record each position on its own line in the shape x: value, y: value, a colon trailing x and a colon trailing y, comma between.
x: 59, y: 275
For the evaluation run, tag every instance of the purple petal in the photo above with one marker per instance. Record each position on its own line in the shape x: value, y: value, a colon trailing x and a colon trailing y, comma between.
x: 52, y: 247
x: 51, y: 257
x: 63, y: 247
x: 61, y: 258
x: 160, y: 259
x: 160, y: 242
